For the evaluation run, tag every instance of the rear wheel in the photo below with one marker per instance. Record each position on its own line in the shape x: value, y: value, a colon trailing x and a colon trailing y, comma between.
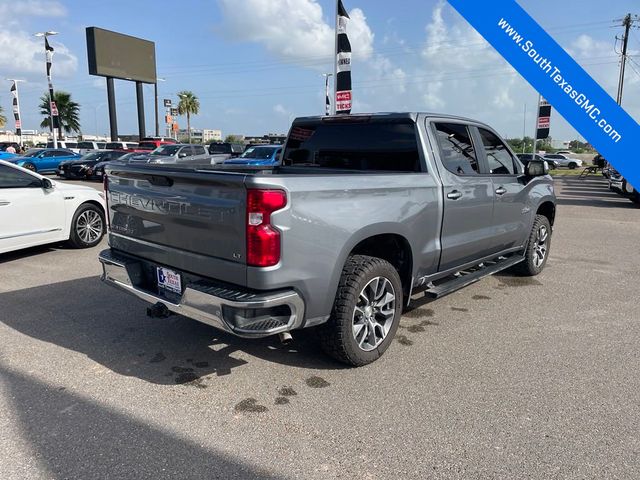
x: 366, y: 311
x: 572, y: 166
x: 87, y: 226
x: 537, y: 251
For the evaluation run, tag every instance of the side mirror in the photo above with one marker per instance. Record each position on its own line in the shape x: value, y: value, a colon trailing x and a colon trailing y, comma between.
x: 537, y: 168
x: 47, y: 184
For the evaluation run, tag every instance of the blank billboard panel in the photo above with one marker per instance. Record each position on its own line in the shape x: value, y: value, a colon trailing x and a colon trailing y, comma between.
x: 117, y: 55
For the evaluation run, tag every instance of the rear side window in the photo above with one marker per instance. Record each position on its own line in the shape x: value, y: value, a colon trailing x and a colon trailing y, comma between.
x: 499, y: 159
x: 456, y: 148
x: 199, y: 150
x: 372, y: 146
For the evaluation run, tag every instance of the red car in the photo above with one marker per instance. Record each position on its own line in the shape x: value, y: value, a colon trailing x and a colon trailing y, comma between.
x: 151, y: 143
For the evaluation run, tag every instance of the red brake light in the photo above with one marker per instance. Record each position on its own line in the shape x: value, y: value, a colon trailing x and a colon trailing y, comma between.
x: 263, y: 240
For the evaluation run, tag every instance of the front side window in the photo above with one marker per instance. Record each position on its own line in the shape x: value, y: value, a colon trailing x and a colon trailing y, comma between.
x: 456, y: 148
x: 499, y: 159
x: 14, y: 178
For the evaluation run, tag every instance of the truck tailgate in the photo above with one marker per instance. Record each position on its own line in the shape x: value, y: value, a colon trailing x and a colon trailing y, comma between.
x: 191, y: 221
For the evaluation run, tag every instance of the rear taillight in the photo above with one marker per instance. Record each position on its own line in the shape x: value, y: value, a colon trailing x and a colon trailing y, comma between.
x: 263, y: 240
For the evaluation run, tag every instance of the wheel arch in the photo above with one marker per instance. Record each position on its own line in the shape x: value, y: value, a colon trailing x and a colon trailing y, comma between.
x: 548, y: 209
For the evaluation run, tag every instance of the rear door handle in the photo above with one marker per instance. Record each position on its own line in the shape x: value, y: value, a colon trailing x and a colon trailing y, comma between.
x: 501, y: 191
x: 455, y: 195
x: 4, y: 203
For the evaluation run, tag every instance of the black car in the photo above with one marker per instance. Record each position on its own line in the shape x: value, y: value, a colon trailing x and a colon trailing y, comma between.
x: 527, y: 157
x: 232, y: 149
x: 80, y: 168
x: 96, y: 172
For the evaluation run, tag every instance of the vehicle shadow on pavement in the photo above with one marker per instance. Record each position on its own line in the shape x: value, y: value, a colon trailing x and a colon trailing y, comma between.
x: 589, y: 192
x: 112, y: 329
x: 73, y: 437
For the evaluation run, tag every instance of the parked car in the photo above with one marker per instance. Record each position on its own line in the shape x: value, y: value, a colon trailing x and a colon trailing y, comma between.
x: 121, y: 145
x: 151, y: 143
x: 67, y: 145
x: 86, y: 147
x: 44, y: 160
x: 79, y: 168
x: 223, y: 151
x: 175, y: 153
x: 5, y: 145
x: 36, y: 211
x: 363, y: 212
x: 7, y: 155
x: 258, y: 155
x: 527, y: 157
x: 563, y: 160
x: 97, y: 171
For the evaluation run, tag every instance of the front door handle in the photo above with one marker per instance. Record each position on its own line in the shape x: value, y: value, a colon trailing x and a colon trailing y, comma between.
x: 4, y: 203
x: 455, y: 195
x: 501, y: 191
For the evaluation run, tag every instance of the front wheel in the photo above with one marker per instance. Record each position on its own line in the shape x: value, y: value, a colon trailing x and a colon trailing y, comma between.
x: 30, y: 166
x: 87, y: 226
x: 572, y: 166
x: 537, y: 251
x: 366, y: 311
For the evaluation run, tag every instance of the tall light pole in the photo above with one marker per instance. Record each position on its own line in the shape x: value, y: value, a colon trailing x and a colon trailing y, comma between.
x: 327, y: 102
x: 155, y: 93
x: 16, y: 106
x: 49, y: 55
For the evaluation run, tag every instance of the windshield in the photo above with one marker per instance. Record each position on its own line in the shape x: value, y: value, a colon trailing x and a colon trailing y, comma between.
x: 261, y: 153
x: 32, y: 153
x: 147, y: 146
x: 166, y: 150
x: 92, y: 156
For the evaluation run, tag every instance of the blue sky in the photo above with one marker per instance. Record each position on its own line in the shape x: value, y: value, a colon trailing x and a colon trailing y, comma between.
x: 256, y: 64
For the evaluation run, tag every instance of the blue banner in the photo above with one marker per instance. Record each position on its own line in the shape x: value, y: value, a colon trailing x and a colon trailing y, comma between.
x: 559, y: 78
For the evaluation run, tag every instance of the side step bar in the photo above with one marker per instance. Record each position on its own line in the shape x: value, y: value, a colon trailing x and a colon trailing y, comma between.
x: 471, y: 275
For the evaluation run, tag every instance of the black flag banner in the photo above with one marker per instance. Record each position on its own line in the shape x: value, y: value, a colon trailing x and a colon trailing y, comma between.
x: 343, y: 62
x: 54, y: 112
x: 16, y: 108
x: 544, y: 120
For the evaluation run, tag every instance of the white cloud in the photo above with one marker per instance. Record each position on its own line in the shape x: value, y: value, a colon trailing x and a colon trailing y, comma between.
x: 23, y: 54
x: 293, y: 30
x: 280, y: 109
x: 14, y: 9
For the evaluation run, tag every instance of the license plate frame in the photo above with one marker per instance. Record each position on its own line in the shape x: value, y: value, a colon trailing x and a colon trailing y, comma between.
x: 169, y: 280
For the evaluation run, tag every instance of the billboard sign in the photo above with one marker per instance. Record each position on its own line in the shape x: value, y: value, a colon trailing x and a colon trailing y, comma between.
x: 116, y: 55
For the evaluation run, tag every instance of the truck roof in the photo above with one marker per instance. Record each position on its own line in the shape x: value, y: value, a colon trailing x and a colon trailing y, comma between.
x: 380, y: 116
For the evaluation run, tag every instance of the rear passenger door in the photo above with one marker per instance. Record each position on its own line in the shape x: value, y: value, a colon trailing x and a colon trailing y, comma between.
x: 511, y: 213
x: 467, y: 228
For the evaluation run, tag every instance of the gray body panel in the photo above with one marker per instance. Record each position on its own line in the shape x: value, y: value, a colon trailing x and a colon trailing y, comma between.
x: 326, y: 216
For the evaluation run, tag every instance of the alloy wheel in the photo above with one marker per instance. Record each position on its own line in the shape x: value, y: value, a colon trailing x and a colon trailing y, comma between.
x: 89, y: 226
x: 540, y: 246
x: 374, y: 313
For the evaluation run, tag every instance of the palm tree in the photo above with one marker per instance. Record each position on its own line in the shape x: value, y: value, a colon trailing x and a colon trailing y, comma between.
x: 68, y: 112
x: 3, y: 119
x: 188, y: 104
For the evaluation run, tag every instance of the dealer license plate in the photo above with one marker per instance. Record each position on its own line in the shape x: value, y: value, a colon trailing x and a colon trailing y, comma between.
x: 169, y: 279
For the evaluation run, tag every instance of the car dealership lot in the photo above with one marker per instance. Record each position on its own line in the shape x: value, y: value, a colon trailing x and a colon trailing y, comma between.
x: 508, y: 378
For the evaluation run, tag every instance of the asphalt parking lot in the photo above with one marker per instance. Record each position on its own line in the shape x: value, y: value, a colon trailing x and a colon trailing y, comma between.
x: 508, y: 378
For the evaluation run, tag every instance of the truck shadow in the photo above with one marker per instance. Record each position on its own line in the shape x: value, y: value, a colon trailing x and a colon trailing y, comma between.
x: 72, y: 436
x: 112, y: 329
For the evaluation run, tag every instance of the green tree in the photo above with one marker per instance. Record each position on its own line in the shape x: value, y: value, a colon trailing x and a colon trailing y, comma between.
x: 234, y: 139
x: 188, y: 105
x: 3, y: 119
x: 68, y: 112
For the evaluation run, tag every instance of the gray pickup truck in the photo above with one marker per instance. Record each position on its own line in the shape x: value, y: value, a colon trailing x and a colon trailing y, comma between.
x: 174, y: 153
x: 363, y: 212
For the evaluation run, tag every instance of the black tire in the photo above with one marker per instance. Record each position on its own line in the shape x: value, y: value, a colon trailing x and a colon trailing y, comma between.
x: 572, y: 166
x: 79, y: 236
x: 531, y: 266
x: 337, y: 336
x: 30, y: 166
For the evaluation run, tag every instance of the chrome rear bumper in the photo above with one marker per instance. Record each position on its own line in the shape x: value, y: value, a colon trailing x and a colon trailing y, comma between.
x: 212, y: 304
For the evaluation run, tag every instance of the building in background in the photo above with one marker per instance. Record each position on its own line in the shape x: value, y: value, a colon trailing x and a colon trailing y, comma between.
x: 273, y: 138
x: 200, y: 135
